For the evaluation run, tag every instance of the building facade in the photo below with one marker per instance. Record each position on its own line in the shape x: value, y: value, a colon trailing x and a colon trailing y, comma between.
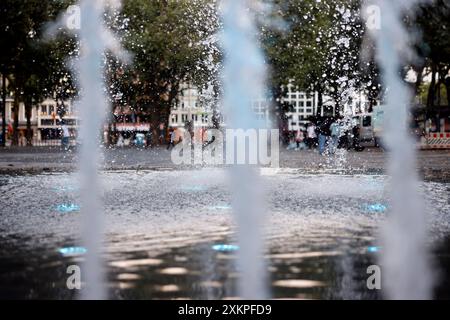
x: 45, y: 120
x: 188, y: 109
x: 304, y: 106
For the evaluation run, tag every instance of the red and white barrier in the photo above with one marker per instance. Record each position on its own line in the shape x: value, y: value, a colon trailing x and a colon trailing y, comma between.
x: 439, y: 140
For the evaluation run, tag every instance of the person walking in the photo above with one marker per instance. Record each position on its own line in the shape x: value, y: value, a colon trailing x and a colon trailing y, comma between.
x: 172, y: 139
x: 65, y: 139
x: 356, y: 139
x: 149, y: 138
x: 335, y: 135
x: 324, y: 135
x: 311, y: 135
x: 299, y: 140
x: 161, y: 133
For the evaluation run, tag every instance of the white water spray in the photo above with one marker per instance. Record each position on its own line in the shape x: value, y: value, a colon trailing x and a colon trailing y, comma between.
x: 95, y: 40
x: 404, y: 259
x: 244, y: 77
x: 87, y: 20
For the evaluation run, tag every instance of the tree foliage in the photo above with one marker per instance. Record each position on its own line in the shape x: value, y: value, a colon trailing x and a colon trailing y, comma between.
x: 171, y: 42
x: 34, y: 67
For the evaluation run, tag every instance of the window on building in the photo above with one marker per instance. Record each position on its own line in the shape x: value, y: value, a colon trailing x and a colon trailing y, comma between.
x: 44, y: 109
x: 301, y: 103
x: 47, y: 122
x: 51, y: 109
x: 308, y: 103
x: 308, y: 110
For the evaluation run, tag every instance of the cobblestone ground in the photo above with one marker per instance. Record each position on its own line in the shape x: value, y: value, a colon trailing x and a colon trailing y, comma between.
x: 432, y: 164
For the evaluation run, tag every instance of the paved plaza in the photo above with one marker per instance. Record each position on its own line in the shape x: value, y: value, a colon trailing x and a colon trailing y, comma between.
x: 432, y: 164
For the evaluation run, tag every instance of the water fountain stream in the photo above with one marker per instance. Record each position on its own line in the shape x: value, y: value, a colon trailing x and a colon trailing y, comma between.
x: 405, y: 261
x: 94, y: 40
x: 244, y: 76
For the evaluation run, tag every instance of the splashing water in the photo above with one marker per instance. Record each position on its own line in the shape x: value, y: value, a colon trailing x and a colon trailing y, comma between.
x: 244, y: 75
x: 405, y: 261
x: 94, y: 39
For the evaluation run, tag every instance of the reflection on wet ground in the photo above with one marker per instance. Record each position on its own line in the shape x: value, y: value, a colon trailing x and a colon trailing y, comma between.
x: 170, y: 235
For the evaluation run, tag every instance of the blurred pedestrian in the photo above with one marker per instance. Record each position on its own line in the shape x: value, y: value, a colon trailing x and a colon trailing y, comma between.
x: 22, y: 139
x: 149, y: 138
x: 335, y: 129
x: 300, y: 140
x: 172, y: 139
x: 311, y: 135
x: 161, y: 133
x: 324, y: 134
x: 65, y: 136
x: 356, y: 139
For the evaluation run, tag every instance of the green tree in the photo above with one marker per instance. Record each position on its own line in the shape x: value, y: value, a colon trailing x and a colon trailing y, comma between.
x: 320, y: 50
x: 31, y: 64
x: 171, y: 42
x: 433, y: 20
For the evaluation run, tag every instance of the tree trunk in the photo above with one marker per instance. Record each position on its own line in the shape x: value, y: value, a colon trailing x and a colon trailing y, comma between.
x: 431, y: 89
x: 28, y: 110
x: 419, y: 79
x: 15, y: 135
x: 163, y: 116
x: 447, y: 86
x: 319, y: 101
x: 319, y: 98
x: 438, y: 91
x: 3, y: 142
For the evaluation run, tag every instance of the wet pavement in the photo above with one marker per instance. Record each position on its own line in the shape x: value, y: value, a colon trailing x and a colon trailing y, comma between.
x: 170, y: 233
x: 433, y: 165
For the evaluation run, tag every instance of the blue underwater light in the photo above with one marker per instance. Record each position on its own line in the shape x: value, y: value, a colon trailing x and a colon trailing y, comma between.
x: 221, y: 207
x: 373, y: 249
x: 67, y: 207
x: 376, y: 207
x: 72, y: 251
x: 225, y: 247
